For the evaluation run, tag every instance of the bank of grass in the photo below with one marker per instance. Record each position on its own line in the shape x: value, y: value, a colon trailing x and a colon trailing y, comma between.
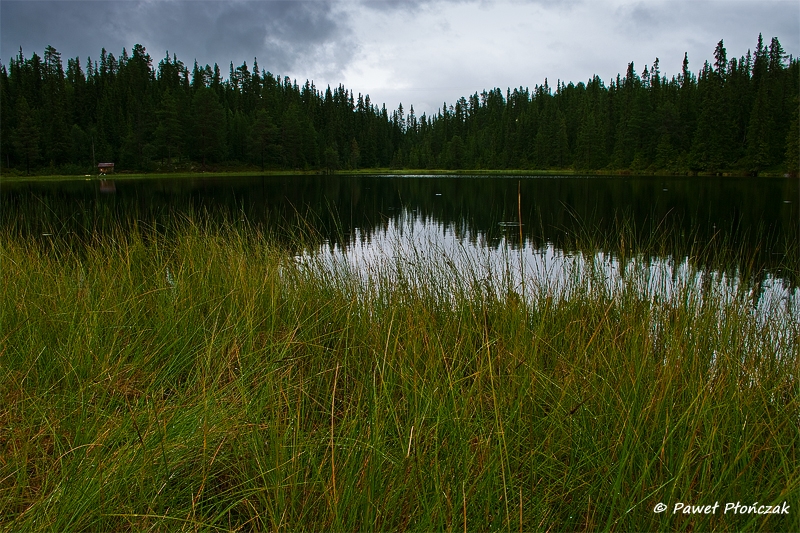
x: 200, y: 378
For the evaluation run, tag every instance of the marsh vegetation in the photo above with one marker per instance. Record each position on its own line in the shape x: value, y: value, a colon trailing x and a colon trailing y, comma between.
x: 199, y: 369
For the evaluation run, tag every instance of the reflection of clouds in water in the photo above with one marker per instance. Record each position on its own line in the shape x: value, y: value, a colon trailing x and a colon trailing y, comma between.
x: 418, y: 253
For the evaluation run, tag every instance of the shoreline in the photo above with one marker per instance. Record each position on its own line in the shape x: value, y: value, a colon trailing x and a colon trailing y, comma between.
x: 379, y: 172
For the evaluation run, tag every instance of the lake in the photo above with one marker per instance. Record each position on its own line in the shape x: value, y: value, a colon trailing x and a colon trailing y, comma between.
x: 740, y: 230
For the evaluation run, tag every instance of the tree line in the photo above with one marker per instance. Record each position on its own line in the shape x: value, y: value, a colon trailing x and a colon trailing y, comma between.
x: 737, y: 115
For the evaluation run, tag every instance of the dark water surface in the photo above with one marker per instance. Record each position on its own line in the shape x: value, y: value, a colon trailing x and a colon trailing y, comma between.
x: 739, y: 224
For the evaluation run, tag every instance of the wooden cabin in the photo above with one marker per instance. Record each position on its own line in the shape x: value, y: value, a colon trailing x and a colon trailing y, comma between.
x: 105, y: 168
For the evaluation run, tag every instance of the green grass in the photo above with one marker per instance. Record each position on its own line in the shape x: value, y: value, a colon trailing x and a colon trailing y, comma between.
x: 199, y: 378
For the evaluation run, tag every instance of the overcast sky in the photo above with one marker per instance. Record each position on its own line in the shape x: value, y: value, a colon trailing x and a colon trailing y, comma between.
x: 419, y: 52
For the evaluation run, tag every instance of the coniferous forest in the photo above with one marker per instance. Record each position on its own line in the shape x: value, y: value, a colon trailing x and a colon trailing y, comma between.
x: 733, y: 115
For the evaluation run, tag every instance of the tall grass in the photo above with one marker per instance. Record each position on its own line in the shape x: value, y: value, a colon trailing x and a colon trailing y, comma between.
x: 202, y: 379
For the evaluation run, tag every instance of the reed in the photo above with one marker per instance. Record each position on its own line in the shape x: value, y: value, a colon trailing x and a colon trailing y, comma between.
x: 202, y: 378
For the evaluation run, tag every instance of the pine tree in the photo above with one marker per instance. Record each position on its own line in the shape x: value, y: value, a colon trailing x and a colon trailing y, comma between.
x: 5, y: 123
x: 628, y: 127
x: 209, y: 126
x: 456, y: 154
x: 720, y: 61
x: 355, y: 153
x: 264, y: 140
x: 56, y: 132
x: 759, y: 132
x: 589, y: 150
x: 780, y: 99
x: 292, y: 138
x: 80, y: 146
x: 239, y: 132
x: 331, y: 159
x: 793, y: 141
x: 26, y: 135
x: 169, y: 133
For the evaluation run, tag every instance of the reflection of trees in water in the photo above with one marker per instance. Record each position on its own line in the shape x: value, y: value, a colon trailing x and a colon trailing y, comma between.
x: 724, y: 224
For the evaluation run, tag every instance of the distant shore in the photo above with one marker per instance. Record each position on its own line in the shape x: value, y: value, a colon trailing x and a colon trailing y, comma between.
x: 5, y: 178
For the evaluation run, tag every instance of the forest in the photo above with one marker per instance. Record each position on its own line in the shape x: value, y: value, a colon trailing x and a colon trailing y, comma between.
x: 732, y: 116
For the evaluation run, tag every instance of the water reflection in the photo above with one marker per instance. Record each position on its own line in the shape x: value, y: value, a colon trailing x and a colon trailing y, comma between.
x: 108, y: 187
x: 741, y: 225
x: 674, y: 241
x: 414, y: 251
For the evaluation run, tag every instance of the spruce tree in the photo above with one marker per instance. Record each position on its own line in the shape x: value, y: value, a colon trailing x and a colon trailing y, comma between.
x: 26, y: 135
x: 5, y: 123
x: 793, y: 141
x: 759, y: 132
x: 169, y: 132
x: 264, y: 140
x: 209, y: 126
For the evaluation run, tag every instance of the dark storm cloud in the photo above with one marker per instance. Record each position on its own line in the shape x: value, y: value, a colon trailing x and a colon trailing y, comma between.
x: 413, y: 5
x: 80, y: 26
x: 284, y: 35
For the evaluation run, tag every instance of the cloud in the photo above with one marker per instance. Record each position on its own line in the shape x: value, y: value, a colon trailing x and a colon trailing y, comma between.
x: 668, y: 28
x: 417, y: 52
x: 413, y: 5
x: 287, y: 36
x: 441, y: 50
